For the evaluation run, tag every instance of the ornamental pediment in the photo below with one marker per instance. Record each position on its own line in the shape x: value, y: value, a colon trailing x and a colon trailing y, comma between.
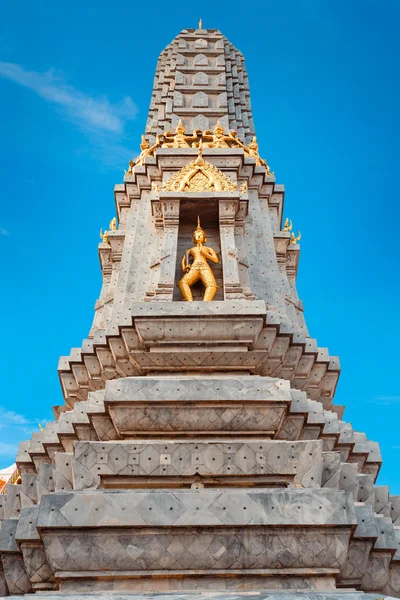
x: 199, y: 176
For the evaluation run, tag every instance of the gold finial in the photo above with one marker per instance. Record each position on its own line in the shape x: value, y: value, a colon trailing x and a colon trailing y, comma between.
x: 201, y: 23
x: 180, y: 128
x: 199, y: 228
x: 287, y: 226
x: 218, y: 128
x: 40, y: 426
x: 104, y: 236
x: 295, y: 239
x: 113, y: 224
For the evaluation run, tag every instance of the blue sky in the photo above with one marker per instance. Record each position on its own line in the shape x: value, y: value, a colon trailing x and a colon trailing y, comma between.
x: 75, y: 85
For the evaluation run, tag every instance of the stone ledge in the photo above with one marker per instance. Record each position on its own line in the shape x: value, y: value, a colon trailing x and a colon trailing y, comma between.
x: 195, y: 389
x: 187, y: 405
x: 185, y: 508
x: 226, y: 323
x: 212, y: 550
x: 199, y: 309
x: 221, y: 572
x: 235, y: 594
x: 126, y: 462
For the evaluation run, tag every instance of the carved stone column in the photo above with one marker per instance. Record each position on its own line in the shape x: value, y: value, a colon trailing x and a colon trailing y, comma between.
x: 166, y: 261
x: 228, y: 208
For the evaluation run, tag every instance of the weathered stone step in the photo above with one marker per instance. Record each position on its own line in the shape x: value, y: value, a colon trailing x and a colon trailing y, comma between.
x: 213, y: 530
x: 197, y: 406
x: 217, y: 462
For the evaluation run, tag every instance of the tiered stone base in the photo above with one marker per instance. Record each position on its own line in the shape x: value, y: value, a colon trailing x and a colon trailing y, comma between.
x: 194, y: 489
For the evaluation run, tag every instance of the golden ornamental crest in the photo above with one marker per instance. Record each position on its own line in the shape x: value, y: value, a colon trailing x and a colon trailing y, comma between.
x: 199, y: 176
x: 209, y: 139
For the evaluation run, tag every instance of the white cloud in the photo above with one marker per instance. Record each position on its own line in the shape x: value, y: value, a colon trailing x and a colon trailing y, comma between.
x: 9, y: 417
x: 14, y: 428
x: 3, y: 231
x: 95, y: 113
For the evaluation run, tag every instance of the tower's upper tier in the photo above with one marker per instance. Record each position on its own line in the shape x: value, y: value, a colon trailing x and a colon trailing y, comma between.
x: 200, y: 78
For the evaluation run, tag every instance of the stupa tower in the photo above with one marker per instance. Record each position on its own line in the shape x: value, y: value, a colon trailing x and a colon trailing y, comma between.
x: 199, y: 447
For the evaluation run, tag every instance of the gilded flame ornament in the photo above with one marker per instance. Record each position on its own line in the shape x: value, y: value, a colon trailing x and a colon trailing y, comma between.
x: 288, y: 225
x: 104, y: 236
x: 295, y: 239
x: 196, y: 268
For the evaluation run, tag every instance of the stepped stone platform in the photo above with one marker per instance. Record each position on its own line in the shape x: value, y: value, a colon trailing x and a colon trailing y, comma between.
x: 199, y: 452
x: 264, y: 595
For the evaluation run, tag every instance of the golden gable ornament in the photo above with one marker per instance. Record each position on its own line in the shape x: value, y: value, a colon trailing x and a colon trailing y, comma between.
x: 199, y: 176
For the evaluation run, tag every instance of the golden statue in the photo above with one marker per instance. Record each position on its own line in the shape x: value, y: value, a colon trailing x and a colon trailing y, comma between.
x: 251, y: 150
x: 287, y: 226
x: 179, y: 139
x: 104, y: 236
x: 198, y: 269
x: 217, y: 138
x: 113, y: 224
x: 268, y: 170
x: 146, y: 150
x: 295, y: 239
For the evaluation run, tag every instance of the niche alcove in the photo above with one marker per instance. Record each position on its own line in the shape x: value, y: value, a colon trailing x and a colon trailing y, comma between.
x: 205, y: 206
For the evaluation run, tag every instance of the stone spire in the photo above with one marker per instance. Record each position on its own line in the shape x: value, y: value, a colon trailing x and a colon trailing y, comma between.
x: 199, y: 446
x: 200, y: 78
